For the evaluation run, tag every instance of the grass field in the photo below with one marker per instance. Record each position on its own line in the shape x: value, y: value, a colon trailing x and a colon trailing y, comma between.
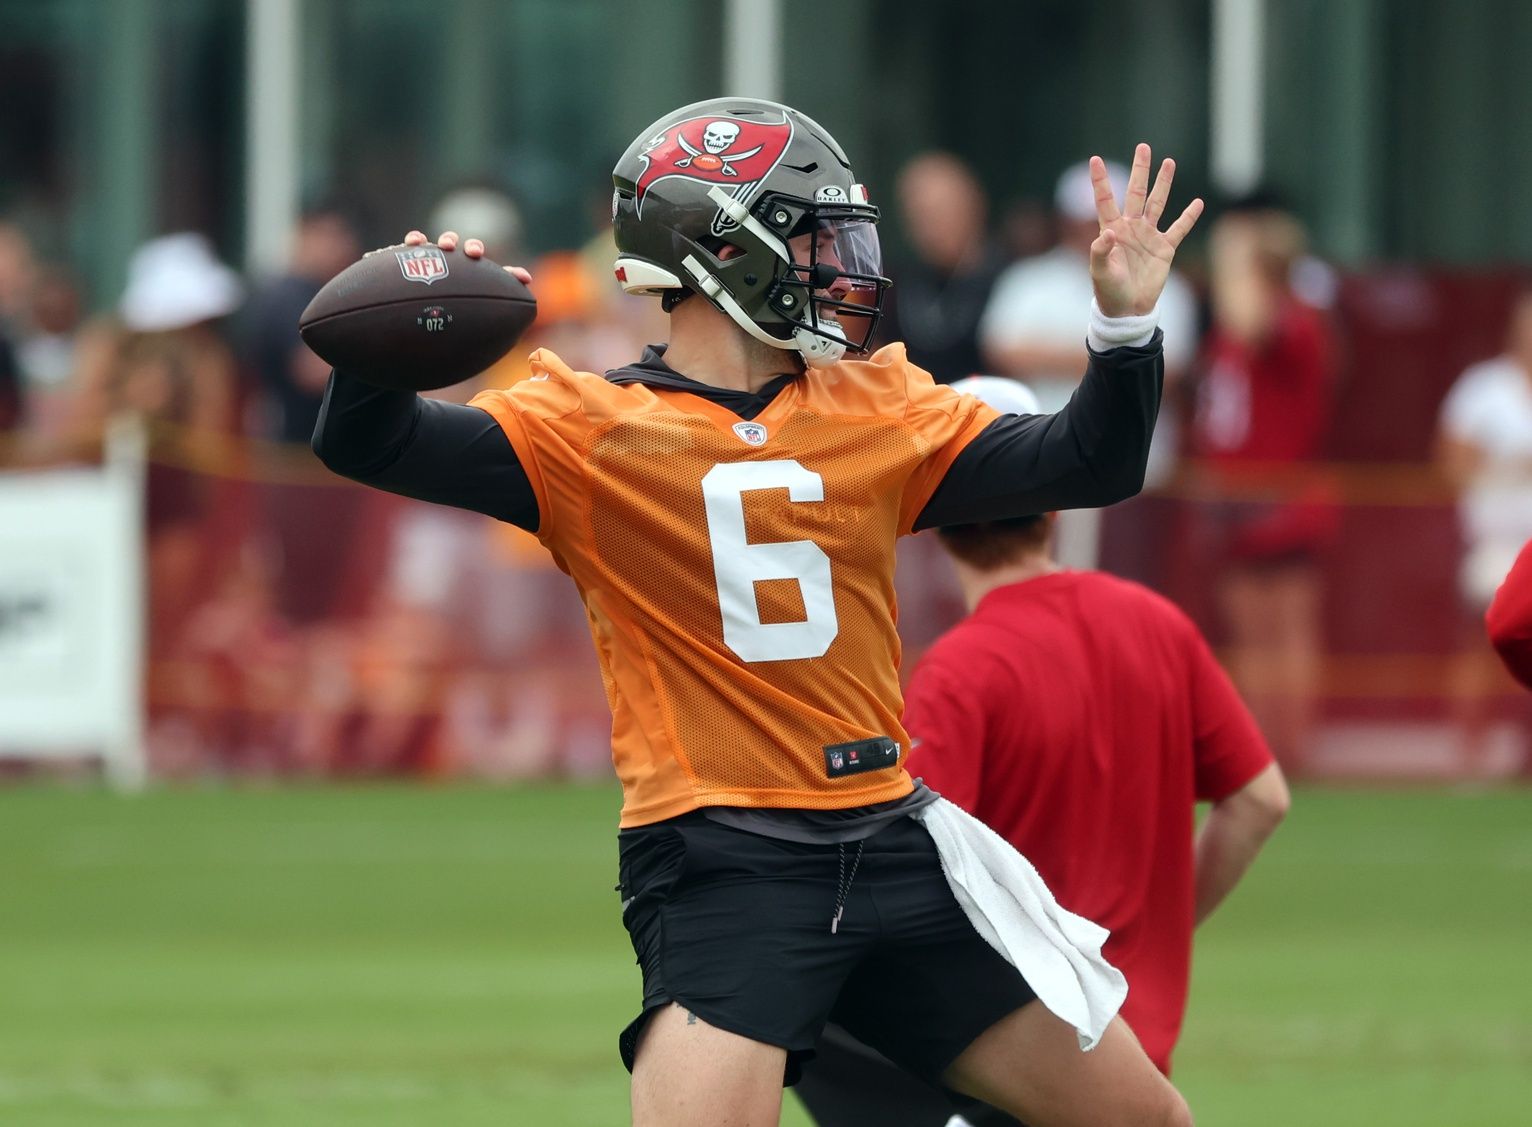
x: 392, y: 955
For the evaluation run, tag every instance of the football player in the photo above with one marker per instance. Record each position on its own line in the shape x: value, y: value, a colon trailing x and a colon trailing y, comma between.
x: 727, y: 506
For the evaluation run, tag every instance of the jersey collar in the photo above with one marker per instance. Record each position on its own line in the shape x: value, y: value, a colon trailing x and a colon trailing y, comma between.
x: 652, y: 371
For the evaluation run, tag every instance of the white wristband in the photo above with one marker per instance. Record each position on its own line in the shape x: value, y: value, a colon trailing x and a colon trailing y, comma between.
x: 1106, y: 333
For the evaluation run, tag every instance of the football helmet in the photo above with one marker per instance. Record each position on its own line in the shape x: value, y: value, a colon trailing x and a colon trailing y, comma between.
x: 754, y: 206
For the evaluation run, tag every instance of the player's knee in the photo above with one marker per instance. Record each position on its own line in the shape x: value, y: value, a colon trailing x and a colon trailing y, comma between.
x: 1165, y: 1107
x: 1176, y: 1113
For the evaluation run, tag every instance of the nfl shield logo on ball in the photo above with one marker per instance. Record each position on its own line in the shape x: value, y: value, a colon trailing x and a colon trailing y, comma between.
x: 753, y: 433
x: 422, y: 264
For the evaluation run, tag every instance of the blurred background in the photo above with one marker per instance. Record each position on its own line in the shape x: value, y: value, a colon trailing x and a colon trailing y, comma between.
x: 1342, y: 476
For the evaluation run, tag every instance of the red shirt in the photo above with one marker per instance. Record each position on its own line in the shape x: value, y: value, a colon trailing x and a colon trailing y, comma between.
x: 1509, y: 619
x: 1268, y: 402
x: 1261, y: 407
x: 1082, y: 716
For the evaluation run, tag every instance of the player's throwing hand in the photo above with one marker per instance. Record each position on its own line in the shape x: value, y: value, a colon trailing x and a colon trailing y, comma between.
x: 1130, y: 259
x: 473, y: 248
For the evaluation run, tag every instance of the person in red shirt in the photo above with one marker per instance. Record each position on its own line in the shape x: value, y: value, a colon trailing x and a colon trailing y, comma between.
x: 1082, y: 717
x: 1264, y: 403
x: 1509, y: 618
x: 1509, y: 624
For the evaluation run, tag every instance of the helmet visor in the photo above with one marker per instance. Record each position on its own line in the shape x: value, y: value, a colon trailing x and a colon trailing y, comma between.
x: 845, y: 274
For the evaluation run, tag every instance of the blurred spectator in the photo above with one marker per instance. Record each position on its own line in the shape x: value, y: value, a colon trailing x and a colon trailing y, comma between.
x: 10, y: 388
x: 15, y: 280
x: 17, y: 269
x: 166, y: 361
x: 307, y: 523
x: 1034, y: 330
x: 325, y: 242
x: 940, y: 294
x: 1026, y: 229
x: 486, y: 213
x: 1484, y: 446
x: 1263, y: 410
x: 47, y: 354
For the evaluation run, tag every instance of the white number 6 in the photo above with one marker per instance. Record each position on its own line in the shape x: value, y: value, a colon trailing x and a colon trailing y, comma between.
x: 738, y: 565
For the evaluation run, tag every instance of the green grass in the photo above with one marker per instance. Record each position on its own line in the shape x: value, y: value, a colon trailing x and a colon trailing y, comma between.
x: 392, y: 955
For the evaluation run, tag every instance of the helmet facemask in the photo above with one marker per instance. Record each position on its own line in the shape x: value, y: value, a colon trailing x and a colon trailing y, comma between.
x: 804, y: 277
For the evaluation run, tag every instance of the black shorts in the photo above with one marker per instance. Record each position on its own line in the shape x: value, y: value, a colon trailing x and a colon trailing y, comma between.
x: 736, y: 927
x: 849, y: 1085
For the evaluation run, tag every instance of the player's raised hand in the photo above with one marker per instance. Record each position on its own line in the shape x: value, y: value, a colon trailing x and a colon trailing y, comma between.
x: 1130, y: 259
x: 473, y: 248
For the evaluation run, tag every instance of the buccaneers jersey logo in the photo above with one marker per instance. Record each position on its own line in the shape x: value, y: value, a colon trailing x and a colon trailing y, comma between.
x: 715, y: 150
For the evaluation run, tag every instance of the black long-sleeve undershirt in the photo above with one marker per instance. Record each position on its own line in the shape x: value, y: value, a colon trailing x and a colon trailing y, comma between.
x: 1089, y: 454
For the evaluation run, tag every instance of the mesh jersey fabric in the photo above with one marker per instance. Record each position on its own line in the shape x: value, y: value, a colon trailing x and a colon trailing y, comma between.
x: 738, y: 577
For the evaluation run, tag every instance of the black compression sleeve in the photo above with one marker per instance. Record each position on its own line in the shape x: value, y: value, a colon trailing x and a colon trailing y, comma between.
x: 423, y: 448
x: 1089, y: 454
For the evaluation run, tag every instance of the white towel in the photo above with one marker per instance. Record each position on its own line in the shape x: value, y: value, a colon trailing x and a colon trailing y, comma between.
x: 1057, y: 952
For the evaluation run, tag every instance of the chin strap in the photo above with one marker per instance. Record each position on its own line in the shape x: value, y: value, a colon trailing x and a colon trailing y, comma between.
x: 820, y: 351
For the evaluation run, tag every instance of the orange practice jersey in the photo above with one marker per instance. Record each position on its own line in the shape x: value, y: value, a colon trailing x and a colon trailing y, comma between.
x: 739, y: 576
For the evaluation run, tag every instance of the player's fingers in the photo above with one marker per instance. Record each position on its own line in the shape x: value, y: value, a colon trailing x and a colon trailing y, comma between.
x: 1138, y: 183
x: 1159, y: 195
x: 473, y: 248
x: 1178, y: 230
x: 520, y: 272
x: 1106, y: 205
x: 415, y: 238
x: 447, y: 240
x: 1101, y: 249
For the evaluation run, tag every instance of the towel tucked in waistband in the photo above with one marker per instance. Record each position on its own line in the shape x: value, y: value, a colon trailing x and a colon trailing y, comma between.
x: 1057, y: 952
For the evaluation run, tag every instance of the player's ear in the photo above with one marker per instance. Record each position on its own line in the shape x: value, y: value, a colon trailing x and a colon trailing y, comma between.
x: 728, y: 251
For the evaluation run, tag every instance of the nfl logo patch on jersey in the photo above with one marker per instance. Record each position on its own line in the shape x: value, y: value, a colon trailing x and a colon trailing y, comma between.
x: 422, y: 264
x: 752, y: 433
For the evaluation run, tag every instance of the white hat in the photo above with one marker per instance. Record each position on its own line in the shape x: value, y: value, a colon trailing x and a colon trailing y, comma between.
x: 486, y: 214
x: 175, y: 281
x: 1011, y: 397
x: 1075, y: 197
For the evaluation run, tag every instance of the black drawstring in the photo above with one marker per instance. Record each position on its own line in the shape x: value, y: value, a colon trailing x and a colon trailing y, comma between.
x: 843, y: 885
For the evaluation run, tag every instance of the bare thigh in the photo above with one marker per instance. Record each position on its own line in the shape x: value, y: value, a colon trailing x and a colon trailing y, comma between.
x: 1030, y: 1065
x: 688, y: 1073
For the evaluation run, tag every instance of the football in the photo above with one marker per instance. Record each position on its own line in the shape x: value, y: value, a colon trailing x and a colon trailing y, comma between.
x: 417, y: 317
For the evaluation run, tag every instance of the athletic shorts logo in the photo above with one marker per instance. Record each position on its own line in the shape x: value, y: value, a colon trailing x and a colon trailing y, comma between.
x: 736, y: 152
x: 753, y: 433
x: 422, y: 264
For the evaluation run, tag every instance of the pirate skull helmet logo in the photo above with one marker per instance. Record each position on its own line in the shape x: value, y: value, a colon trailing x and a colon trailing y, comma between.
x: 718, y: 137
